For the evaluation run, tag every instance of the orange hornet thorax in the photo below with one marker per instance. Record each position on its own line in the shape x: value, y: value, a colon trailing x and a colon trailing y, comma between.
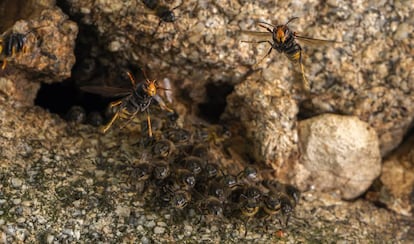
x: 280, y: 35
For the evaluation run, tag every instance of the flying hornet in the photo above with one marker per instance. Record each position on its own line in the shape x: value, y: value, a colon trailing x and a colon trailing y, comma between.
x: 135, y: 100
x: 283, y: 39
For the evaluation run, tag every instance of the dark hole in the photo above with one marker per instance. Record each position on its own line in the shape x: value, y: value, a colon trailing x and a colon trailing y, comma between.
x: 216, y: 102
x: 60, y: 97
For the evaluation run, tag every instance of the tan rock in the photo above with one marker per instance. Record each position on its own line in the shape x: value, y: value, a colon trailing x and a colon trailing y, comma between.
x: 268, y: 115
x: 398, y: 179
x: 338, y: 153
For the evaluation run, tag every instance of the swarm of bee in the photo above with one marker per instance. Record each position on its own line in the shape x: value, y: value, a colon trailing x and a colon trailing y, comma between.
x: 180, y: 173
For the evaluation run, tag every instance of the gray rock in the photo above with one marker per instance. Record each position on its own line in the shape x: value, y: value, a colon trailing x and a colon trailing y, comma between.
x: 16, y: 182
x: 123, y: 211
x: 338, y: 153
x: 145, y: 240
x: 159, y: 230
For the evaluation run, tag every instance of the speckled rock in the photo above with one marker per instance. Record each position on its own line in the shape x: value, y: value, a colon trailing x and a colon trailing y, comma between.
x: 397, y: 178
x: 338, y: 153
x: 268, y: 115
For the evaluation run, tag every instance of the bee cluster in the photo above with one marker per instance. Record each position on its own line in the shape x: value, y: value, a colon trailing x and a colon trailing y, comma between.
x: 180, y: 172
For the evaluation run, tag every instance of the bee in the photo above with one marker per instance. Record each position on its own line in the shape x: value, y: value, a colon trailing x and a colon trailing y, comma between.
x: 76, y: 114
x: 13, y: 43
x: 139, y: 174
x: 210, y: 171
x: 283, y: 39
x: 211, y: 208
x: 293, y: 192
x: 163, y: 148
x: 281, y: 198
x: 162, y: 11
x: 193, y: 164
x: 223, y: 187
x: 161, y: 170
x: 184, y: 179
x: 229, y: 181
x: 248, y: 209
x: 252, y: 175
x: 180, y: 199
x: 244, y: 194
x: 136, y: 100
x: 248, y: 175
x: 247, y: 200
x: 174, y: 196
x: 95, y: 118
x: 217, y: 190
x: 287, y: 189
x: 286, y: 206
x: 178, y: 135
x: 252, y: 193
x: 271, y: 203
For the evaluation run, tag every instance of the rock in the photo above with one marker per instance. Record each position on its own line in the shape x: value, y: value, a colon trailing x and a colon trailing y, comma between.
x: 49, y: 56
x: 16, y: 182
x: 268, y: 115
x: 150, y: 224
x: 397, y: 178
x: 367, y: 75
x: 50, y: 238
x: 159, y: 230
x: 123, y: 211
x: 72, y: 160
x: 338, y: 153
x: 145, y: 240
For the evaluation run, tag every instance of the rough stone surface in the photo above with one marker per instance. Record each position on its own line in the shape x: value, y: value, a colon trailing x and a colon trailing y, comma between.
x: 72, y: 191
x: 70, y: 186
x: 338, y: 153
x: 268, y: 116
x: 397, y: 178
x: 369, y: 75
